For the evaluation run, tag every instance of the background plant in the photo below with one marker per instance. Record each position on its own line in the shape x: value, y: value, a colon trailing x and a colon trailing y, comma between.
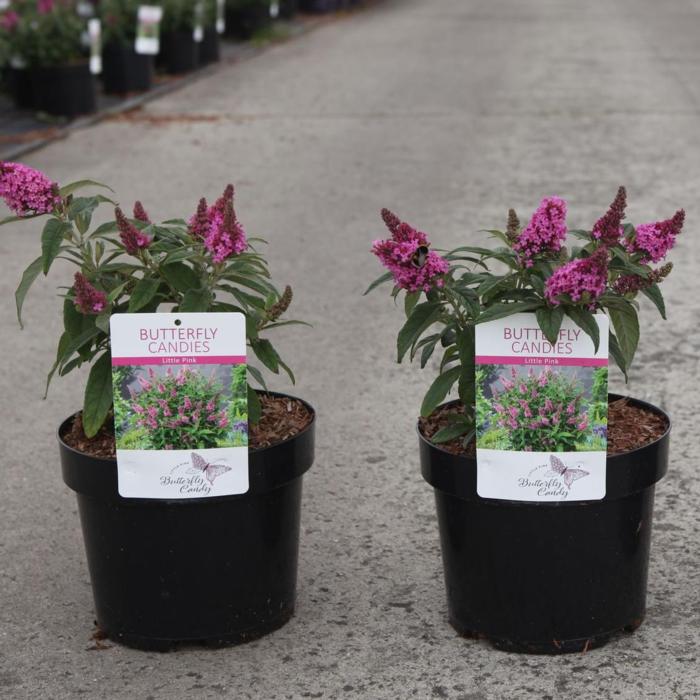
x: 447, y: 293
x: 133, y: 264
x: 543, y: 411
x: 119, y: 20
x: 178, y: 411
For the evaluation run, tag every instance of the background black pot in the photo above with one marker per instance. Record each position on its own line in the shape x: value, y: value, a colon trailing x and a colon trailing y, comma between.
x: 124, y: 70
x: 209, y: 47
x: 66, y: 91
x: 546, y: 577
x: 288, y: 8
x: 320, y: 5
x: 246, y: 17
x: 208, y: 570
x: 180, y: 52
x: 20, y: 87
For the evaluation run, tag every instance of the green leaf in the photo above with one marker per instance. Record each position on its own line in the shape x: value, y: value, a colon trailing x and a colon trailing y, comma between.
x: 585, y: 320
x: 73, y: 321
x: 617, y: 355
x: 466, y: 385
x: 626, y: 324
x: 254, y: 406
x: 52, y: 236
x: 102, y: 322
x: 257, y: 375
x: 12, y: 219
x: 63, y: 342
x: 654, y: 293
x: 182, y: 277
x: 550, y: 320
x: 143, y: 292
x: 380, y: 280
x: 266, y: 354
x: 81, y: 210
x: 79, y: 184
x: 503, y: 310
x: 98, y: 395
x: 76, y: 343
x: 422, y: 317
x: 439, y: 390
x: 28, y: 277
x: 456, y: 429
x: 410, y: 301
x: 195, y: 300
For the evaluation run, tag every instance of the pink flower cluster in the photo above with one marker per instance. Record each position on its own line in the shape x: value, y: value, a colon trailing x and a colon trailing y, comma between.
x: 581, y: 279
x: 218, y: 228
x: 9, y: 20
x: 88, y: 300
x: 44, y: 7
x: 607, y: 229
x: 27, y: 191
x: 654, y: 240
x: 133, y: 239
x: 406, y: 255
x: 545, y: 232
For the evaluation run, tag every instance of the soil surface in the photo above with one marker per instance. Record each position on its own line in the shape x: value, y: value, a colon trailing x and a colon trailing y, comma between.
x: 282, y: 418
x: 629, y: 427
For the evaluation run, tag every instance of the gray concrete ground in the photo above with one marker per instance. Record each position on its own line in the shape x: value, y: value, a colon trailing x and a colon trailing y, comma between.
x: 449, y: 111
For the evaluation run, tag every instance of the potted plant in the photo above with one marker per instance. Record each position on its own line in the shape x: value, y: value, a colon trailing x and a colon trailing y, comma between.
x: 179, y: 48
x: 546, y: 577
x: 244, y: 18
x: 123, y: 69
x: 215, y: 570
x: 209, y: 51
x: 57, y: 55
x: 16, y: 43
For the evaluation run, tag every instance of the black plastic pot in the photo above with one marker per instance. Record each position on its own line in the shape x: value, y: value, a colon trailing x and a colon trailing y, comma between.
x: 319, y: 6
x: 66, y: 91
x: 212, y: 571
x: 246, y: 17
x: 180, y: 52
x: 20, y: 86
x: 124, y: 70
x: 288, y: 8
x: 546, y: 577
x: 209, y: 47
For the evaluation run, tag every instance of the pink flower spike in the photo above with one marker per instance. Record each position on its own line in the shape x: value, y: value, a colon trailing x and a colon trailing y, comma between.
x: 581, y: 279
x: 608, y: 228
x: 27, y: 191
x: 87, y: 299
x: 134, y: 240
x: 545, y: 232
x: 653, y: 241
x: 140, y: 213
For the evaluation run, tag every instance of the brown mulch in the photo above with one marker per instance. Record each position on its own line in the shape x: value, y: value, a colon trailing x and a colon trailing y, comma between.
x: 282, y: 418
x: 629, y: 427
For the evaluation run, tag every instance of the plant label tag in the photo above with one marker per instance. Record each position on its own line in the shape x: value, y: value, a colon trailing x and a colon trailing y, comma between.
x: 220, y: 16
x: 541, y: 411
x: 148, y: 20
x: 198, y: 31
x: 84, y: 9
x: 274, y: 9
x: 94, y: 28
x: 4, y: 5
x: 180, y: 404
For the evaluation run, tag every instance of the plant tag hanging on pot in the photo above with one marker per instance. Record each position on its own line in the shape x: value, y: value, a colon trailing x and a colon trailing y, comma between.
x: 541, y: 411
x: 180, y: 404
x: 220, y: 16
x: 148, y: 29
x: 198, y: 31
x: 94, y: 30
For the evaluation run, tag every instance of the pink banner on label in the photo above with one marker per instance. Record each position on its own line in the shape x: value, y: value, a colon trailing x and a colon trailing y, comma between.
x: 184, y: 360
x: 555, y: 361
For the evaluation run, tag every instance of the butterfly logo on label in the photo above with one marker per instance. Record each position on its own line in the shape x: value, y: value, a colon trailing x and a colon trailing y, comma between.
x: 210, y: 471
x: 568, y: 474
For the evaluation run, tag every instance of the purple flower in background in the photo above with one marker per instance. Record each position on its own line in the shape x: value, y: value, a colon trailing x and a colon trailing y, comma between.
x: 653, y: 241
x: 88, y: 300
x: 9, y: 20
x: 240, y: 426
x: 608, y: 228
x: 581, y: 279
x: 27, y: 191
x: 545, y: 232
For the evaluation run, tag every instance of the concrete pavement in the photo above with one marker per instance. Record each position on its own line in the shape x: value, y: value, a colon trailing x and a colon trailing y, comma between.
x: 449, y: 112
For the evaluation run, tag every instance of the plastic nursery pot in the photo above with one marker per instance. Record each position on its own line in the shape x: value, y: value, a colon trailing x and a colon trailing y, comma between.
x: 124, y: 70
x: 180, y: 52
x: 288, y: 8
x: 542, y: 577
x: 320, y: 5
x: 246, y: 17
x: 20, y: 87
x: 209, y: 47
x: 211, y: 571
x: 66, y: 91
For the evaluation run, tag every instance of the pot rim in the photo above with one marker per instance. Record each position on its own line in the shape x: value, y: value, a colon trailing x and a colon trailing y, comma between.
x: 612, y: 396
x: 257, y: 451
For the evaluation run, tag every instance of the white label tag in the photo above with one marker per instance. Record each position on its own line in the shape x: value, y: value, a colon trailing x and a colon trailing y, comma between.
x: 83, y: 9
x: 95, y: 36
x: 198, y: 32
x: 274, y: 9
x: 180, y: 404
x: 148, y: 29
x: 541, y: 411
x: 220, y: 16
x: 4, y: 5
